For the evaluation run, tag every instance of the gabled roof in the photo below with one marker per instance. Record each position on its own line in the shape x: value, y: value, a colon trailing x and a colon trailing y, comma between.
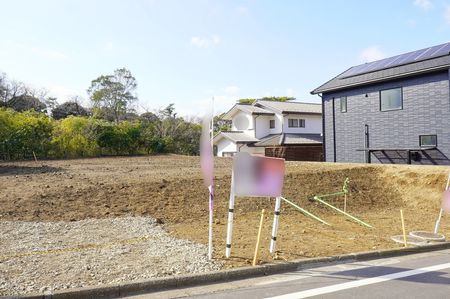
x: 290, y: 107
x: 422, y: 61
x: 236, y: 136
x: 248, y: 108
x: 289, y: 139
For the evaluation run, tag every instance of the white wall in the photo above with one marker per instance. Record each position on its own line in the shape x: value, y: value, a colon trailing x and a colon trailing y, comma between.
x: 243, y: 122
x: 313, y: 124
x: 263, y: 125
x: 225, y: 145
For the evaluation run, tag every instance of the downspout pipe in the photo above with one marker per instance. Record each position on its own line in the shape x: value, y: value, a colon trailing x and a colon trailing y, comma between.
x: 334, y: 130
x: 254, y: 125
x: 324, y: 149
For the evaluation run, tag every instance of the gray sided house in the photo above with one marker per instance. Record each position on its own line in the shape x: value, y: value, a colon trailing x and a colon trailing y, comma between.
x: 395, y: 110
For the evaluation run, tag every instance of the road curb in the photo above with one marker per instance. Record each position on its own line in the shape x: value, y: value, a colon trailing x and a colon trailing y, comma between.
x: 166, y: 283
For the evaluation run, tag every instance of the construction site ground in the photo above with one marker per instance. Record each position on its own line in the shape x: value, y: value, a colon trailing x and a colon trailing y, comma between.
x: 169, y: 189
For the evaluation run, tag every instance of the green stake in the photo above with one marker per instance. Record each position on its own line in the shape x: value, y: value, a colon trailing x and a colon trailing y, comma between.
x: 340, y: 211
x: 305, y: 211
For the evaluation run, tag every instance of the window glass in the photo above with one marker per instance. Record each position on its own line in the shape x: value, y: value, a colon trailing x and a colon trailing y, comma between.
x: 391, y: 99
x: 428, y: 140
x: 272, y: 123
x: 292, y: 123
x: 301, y: 123
x: 343, y: 104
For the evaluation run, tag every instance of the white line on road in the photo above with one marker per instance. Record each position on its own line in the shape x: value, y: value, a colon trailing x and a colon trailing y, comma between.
x: 321, y: 271
x: 359, y: 283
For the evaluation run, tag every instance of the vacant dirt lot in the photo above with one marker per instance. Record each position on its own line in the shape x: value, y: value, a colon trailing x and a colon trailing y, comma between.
x: 170, y: 189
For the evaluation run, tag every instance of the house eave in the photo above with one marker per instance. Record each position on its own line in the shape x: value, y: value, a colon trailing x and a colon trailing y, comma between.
x: 296, y: 112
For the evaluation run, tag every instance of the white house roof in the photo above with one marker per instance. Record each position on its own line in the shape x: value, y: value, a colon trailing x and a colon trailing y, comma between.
x: 251, y: 109
x: 290, y: 107
x: 235, y: 136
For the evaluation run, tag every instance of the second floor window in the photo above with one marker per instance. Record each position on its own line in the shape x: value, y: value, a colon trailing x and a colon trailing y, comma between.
x: 391, y: 99
x: 343, y: 104
x: 272, y: 124
x: 296, y: 123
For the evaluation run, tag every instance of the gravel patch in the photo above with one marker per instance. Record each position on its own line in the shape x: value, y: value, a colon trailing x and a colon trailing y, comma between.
x: 49, y: 256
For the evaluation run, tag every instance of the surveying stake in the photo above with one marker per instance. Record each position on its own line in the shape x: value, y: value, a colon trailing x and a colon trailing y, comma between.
x: 230, y: 219
x: 276, y: 216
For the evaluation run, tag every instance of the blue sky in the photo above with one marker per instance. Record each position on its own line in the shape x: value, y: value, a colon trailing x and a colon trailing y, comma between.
x: 187, y: 51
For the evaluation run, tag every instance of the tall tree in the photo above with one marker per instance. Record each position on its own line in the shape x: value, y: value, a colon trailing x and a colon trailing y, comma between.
x: 112, y: 95
x: 221, y: 124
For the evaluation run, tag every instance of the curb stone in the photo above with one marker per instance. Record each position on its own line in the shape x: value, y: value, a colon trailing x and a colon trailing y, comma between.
x: 167, y: 283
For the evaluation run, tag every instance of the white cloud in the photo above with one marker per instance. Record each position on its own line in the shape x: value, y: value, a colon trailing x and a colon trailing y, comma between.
x: 242, y: 10
x: 205, y: 42
x: 447, y: 14
x: 232, y: 89
x: 371, y: 54
x: 423, y: 4
x: 215, y: 39
x: 199, y: 42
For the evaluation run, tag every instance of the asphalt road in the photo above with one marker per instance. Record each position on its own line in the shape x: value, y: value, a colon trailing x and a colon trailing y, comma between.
x: 424, y: 275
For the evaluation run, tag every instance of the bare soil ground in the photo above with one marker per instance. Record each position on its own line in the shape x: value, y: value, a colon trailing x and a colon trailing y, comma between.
x: 170, y: 189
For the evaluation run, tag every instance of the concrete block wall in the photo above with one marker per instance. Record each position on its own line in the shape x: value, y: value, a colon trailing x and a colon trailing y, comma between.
x: 426, y: 111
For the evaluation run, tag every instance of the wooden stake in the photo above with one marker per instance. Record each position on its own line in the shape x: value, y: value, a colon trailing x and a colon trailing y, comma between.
x: 259, y: 237
x: 345, y: 202
x: 34, y: 155
x: 403, y: 228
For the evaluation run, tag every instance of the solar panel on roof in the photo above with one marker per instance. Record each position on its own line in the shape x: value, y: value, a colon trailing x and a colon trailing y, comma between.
x: 394, y: 60
x: 444, y: 50
x: 377, y: 65
x: 407, y: 58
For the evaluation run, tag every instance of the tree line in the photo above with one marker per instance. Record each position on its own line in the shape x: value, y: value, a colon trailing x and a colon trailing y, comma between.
x: 32, y: 123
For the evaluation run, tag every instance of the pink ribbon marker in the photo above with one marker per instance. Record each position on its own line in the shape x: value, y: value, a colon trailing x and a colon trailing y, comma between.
x: 446, y: 201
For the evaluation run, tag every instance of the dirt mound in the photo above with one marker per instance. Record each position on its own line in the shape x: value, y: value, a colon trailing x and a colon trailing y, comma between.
x: 170, y: 188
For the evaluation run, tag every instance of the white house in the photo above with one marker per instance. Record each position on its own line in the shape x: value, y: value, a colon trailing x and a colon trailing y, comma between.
x: 292, y: 130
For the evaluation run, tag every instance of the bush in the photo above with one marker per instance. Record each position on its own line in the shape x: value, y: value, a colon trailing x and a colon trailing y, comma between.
x: 25, y: 133
x: 75, y: 137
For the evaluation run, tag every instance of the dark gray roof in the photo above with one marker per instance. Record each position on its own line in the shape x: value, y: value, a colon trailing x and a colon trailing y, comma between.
x: 289, y: 139
x: 236, y: 136
x: 290, y: 107
x: 270, y: 140
x: 355, y: 76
